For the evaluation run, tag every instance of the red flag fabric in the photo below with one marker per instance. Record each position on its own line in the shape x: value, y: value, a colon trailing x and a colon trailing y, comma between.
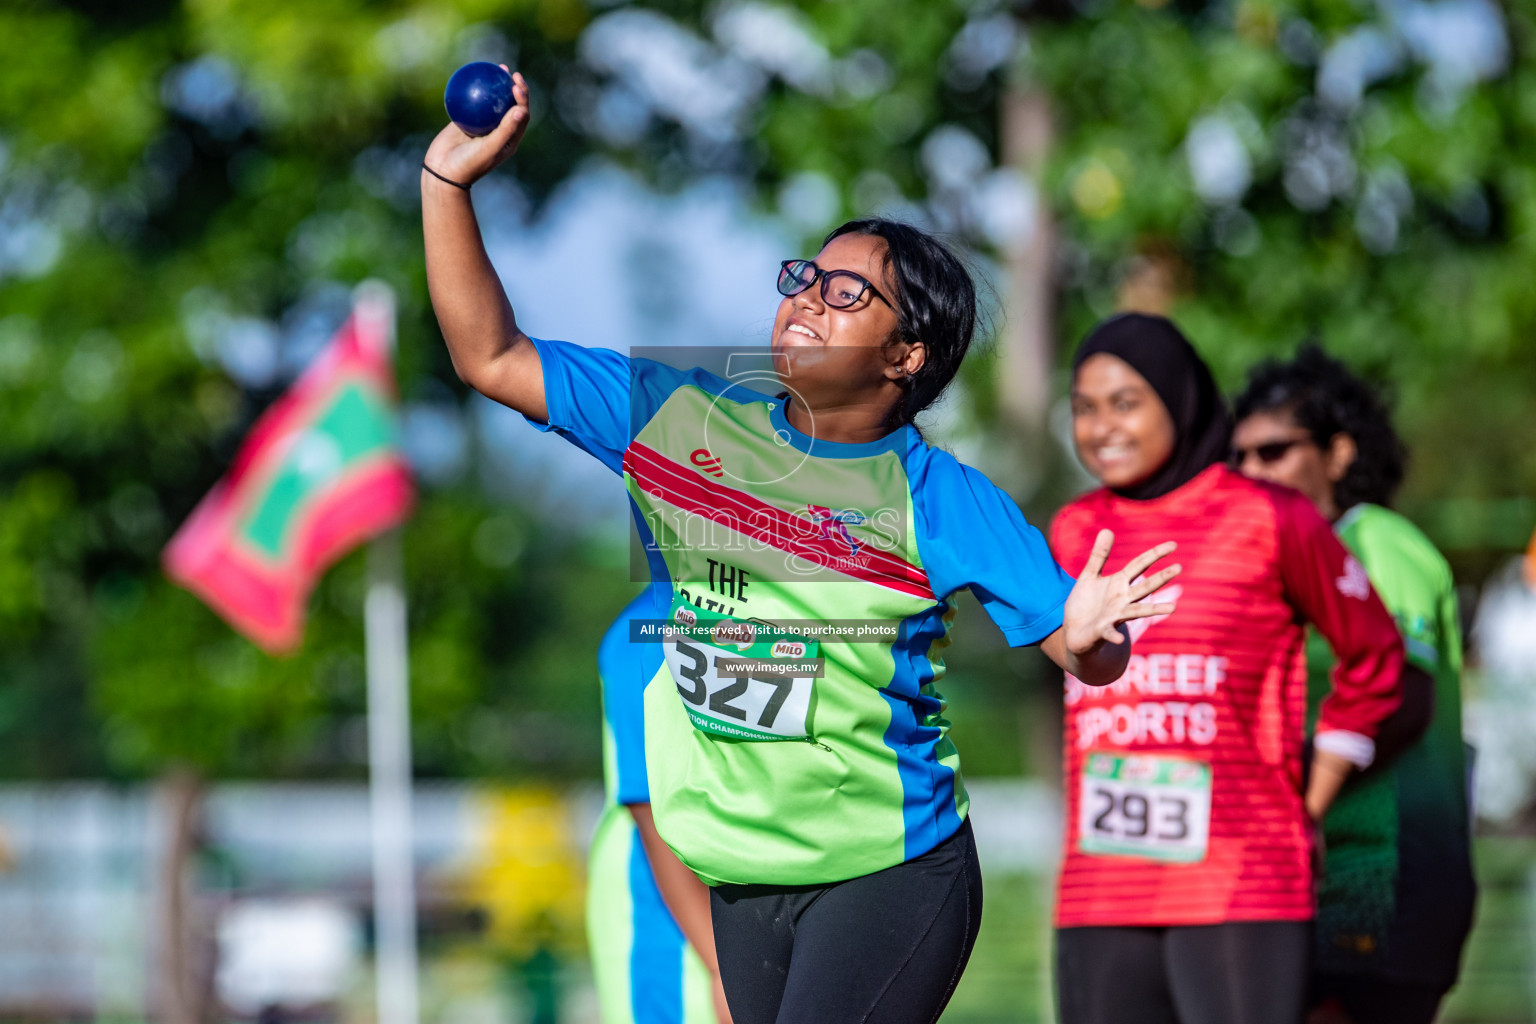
x: 319, y: 473
x: 1530, y: 564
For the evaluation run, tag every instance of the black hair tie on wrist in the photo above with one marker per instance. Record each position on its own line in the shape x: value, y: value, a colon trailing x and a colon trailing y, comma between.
x: 439, y: 177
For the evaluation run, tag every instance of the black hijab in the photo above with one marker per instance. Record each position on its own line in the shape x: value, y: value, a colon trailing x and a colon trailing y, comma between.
x: 1158, y: 351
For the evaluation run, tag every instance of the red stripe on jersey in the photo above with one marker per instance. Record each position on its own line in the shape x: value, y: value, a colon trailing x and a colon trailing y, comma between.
x: 736, y: 510
x: 1221, y: 680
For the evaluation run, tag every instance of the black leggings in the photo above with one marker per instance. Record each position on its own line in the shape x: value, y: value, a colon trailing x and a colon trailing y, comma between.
x: 888, y: 946
x: 1369, y: 1000
x: 1249, y: 972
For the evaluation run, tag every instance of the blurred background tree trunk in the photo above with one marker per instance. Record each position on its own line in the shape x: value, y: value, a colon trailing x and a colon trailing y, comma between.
x: 186, y: 977
x: 1028, y: 338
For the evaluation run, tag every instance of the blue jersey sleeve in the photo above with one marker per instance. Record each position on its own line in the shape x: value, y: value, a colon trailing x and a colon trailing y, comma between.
x: 599, y: 399
x: 625, y: 668
x: 971, y: 534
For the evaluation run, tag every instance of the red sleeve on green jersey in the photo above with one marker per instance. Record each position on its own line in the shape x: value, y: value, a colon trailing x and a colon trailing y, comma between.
x: 1329, y: 586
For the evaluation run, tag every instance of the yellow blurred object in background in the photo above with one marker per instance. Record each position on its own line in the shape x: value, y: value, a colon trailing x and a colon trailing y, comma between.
x: 527, y: 870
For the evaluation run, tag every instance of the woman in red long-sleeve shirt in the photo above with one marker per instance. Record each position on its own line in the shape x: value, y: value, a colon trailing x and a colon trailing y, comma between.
x: 1187, y: 883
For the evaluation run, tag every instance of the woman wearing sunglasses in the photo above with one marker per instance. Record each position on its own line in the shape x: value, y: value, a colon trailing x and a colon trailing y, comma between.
x: 1396, y: 901
x: 1186, y: 887
x: 801, y: 769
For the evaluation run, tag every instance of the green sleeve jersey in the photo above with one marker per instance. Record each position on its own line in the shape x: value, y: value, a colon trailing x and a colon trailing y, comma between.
x: 794, y: 726
x: 1398, y: 883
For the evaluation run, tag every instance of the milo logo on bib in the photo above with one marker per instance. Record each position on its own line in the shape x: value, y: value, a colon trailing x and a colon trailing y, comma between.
x: 741, y: 680
x: 741, y: 635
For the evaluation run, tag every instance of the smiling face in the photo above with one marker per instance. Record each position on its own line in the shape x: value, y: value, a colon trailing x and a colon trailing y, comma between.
x: 843, y: 357
x: 1122, y: 430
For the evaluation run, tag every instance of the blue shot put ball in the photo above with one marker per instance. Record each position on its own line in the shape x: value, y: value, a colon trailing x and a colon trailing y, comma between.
x: 477, y: 97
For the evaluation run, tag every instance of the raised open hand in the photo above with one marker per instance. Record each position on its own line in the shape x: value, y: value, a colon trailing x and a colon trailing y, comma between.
x: 466, y: 159
x: 1098, y: 604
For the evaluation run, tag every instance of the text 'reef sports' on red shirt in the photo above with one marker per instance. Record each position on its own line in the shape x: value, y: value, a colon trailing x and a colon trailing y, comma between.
x: 1183, y: 777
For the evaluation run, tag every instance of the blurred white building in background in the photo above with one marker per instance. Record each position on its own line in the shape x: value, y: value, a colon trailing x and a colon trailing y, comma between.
x: 1500, y: 710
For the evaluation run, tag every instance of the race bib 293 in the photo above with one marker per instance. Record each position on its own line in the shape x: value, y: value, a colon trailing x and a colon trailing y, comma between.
x: 1143, y: 805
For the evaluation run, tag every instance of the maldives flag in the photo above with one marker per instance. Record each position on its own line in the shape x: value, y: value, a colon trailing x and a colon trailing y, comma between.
x: 319, y: 473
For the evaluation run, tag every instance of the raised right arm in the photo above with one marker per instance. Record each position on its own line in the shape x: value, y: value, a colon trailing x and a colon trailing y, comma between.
x: 489, y: 352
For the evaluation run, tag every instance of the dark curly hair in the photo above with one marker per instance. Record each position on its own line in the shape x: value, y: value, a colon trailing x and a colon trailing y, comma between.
x: 1326, y: 399
x: 935, y: 305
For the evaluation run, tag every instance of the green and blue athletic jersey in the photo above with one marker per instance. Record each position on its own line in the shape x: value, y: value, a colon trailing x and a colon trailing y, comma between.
x: 645, y: 971
x: 772, y: 541
x: 1396, y: 899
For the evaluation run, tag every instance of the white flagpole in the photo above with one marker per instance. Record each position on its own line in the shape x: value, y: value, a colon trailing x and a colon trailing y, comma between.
x: 389, y: 740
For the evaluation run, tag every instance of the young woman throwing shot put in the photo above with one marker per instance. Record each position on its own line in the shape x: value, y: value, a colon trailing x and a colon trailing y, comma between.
x: 825, y: 809
x: 1186, y: 887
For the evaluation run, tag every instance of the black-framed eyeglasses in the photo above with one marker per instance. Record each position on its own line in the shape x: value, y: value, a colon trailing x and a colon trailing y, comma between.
x: 839, y: 288
x: 1268, y: 453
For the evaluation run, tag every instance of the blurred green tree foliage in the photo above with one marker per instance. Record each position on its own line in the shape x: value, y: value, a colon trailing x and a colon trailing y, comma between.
x: 1364, y: 174
x: 172, y: 174
x: 186, y: 186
